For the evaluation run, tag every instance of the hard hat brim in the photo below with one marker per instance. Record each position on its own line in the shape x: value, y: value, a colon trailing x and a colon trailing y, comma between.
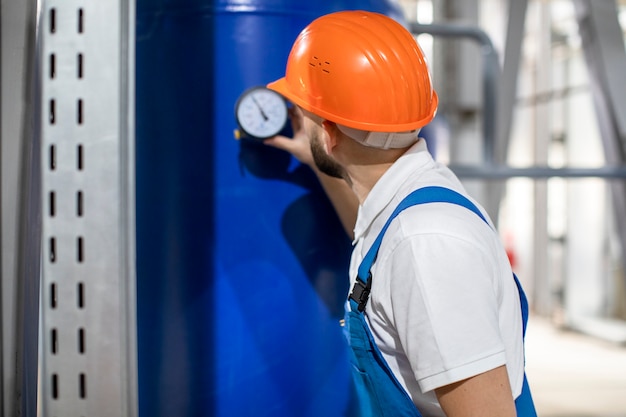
x: 281, y: 86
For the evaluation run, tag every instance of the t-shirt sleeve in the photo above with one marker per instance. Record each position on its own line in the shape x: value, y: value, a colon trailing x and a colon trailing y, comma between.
x: 444, y: 307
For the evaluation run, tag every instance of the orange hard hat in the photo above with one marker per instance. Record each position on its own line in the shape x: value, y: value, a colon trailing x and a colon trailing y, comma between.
x: 360, y: 69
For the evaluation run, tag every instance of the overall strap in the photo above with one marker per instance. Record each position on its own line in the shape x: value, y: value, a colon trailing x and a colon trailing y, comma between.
x: 432, y: 194
x: 359, y: 296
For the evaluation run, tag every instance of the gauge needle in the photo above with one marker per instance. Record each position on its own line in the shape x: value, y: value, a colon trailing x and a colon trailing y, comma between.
x: 260, y: 109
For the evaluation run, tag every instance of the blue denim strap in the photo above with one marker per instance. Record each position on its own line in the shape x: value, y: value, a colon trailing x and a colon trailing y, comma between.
x: 423, y: 195
x: 434, y: 194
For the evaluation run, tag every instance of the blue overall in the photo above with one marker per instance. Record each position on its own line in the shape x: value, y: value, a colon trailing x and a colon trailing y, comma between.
x: 378, y: 392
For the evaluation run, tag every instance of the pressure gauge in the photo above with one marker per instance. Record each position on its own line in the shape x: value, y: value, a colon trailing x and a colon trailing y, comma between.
x: 261, y: 113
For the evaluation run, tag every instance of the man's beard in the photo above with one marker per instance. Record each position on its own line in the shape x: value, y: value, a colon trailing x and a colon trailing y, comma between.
x: 324, y: 162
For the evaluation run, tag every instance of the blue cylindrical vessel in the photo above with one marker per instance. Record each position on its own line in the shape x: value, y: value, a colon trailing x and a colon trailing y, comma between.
x: 241, y: 261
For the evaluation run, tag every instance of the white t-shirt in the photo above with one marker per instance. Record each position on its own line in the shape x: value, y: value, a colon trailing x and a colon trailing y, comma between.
x: 444, y: 305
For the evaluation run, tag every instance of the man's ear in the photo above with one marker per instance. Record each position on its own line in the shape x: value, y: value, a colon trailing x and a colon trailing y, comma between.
x: 331, y: 134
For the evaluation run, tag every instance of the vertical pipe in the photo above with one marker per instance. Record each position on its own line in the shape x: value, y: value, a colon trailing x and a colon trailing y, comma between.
x: 21, y: 209
x: 490, y: 75
x: 541, y: 288
x: 508, y: 86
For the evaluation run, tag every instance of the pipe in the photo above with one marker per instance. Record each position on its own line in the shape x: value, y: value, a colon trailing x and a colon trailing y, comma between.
x: 491, y: 74
x: 500, y: 172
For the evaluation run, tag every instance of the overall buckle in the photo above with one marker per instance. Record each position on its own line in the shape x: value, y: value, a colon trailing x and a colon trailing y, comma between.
x: 361, y: 292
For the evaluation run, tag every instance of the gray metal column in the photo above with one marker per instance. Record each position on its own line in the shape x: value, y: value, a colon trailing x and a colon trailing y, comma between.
x: 506, y: 97
x: 88, y: 285
x: 541, y: 289
x: 510, y: 70
x: 20, y: 195
x: 605, y: 54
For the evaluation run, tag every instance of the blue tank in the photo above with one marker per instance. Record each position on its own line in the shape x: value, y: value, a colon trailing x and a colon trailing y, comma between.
x: 241, y: 261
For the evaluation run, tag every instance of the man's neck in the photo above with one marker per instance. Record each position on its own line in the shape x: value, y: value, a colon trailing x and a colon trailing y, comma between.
x: 362, y: 178
x: 363, y: 165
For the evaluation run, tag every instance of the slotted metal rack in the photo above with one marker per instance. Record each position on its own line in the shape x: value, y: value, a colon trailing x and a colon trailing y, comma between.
x: 88, y: 365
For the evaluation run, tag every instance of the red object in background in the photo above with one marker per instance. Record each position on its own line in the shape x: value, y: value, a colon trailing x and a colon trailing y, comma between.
x: 509, y: 247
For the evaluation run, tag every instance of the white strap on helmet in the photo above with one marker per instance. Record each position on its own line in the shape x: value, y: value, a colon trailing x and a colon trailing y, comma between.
x: 381, y: 140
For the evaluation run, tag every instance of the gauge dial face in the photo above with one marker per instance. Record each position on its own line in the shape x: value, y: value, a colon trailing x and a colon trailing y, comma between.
x: 261, y: 113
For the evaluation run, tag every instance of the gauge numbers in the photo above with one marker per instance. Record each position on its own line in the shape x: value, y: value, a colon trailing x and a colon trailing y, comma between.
x: 261, y: 113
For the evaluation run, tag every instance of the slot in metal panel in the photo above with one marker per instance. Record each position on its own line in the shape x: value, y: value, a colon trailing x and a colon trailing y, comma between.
x: 87, y: 124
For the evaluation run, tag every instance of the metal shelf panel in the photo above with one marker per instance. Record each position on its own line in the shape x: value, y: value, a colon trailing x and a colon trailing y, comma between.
x: 88, y: 304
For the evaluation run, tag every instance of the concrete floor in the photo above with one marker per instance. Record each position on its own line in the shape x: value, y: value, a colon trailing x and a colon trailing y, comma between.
x: 573, y: 375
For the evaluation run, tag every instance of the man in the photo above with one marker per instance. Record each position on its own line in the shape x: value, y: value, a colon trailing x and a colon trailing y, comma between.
x: 436, y: 307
